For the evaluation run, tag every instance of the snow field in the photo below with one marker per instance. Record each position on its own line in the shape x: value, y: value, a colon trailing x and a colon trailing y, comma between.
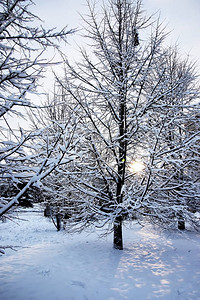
x: 51, y: 265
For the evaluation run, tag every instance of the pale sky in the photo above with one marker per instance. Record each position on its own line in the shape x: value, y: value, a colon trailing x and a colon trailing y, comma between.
x: 182, y: 17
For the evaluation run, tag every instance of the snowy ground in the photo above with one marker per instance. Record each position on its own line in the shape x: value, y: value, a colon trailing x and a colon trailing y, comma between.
x: 52, y: 265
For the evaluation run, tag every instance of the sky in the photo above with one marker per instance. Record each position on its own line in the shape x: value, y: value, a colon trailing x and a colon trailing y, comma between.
x: 182, y: 18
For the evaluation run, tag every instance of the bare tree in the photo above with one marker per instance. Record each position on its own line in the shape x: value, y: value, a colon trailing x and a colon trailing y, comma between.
x: 131, y: 94
x: 22, y: 62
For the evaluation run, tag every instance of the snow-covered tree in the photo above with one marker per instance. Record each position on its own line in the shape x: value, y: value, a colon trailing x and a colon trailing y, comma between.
x: 134, y: 98
x: 23, y: 44
x: 58, y: 124
x: 172, y: 190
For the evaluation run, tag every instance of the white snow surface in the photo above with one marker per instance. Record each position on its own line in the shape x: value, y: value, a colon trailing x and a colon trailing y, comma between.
x: 51, y: 265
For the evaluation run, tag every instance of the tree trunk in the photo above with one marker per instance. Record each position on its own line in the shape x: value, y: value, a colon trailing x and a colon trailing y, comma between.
x: 181, y: 223
x: 118, y: 241
x: 58, y: 222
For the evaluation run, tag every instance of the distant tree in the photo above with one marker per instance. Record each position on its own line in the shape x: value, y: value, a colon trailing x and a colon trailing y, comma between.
x: 22, y: 61
x: 59, y: 129
x: 133, y: 98
x: 172, y: 190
